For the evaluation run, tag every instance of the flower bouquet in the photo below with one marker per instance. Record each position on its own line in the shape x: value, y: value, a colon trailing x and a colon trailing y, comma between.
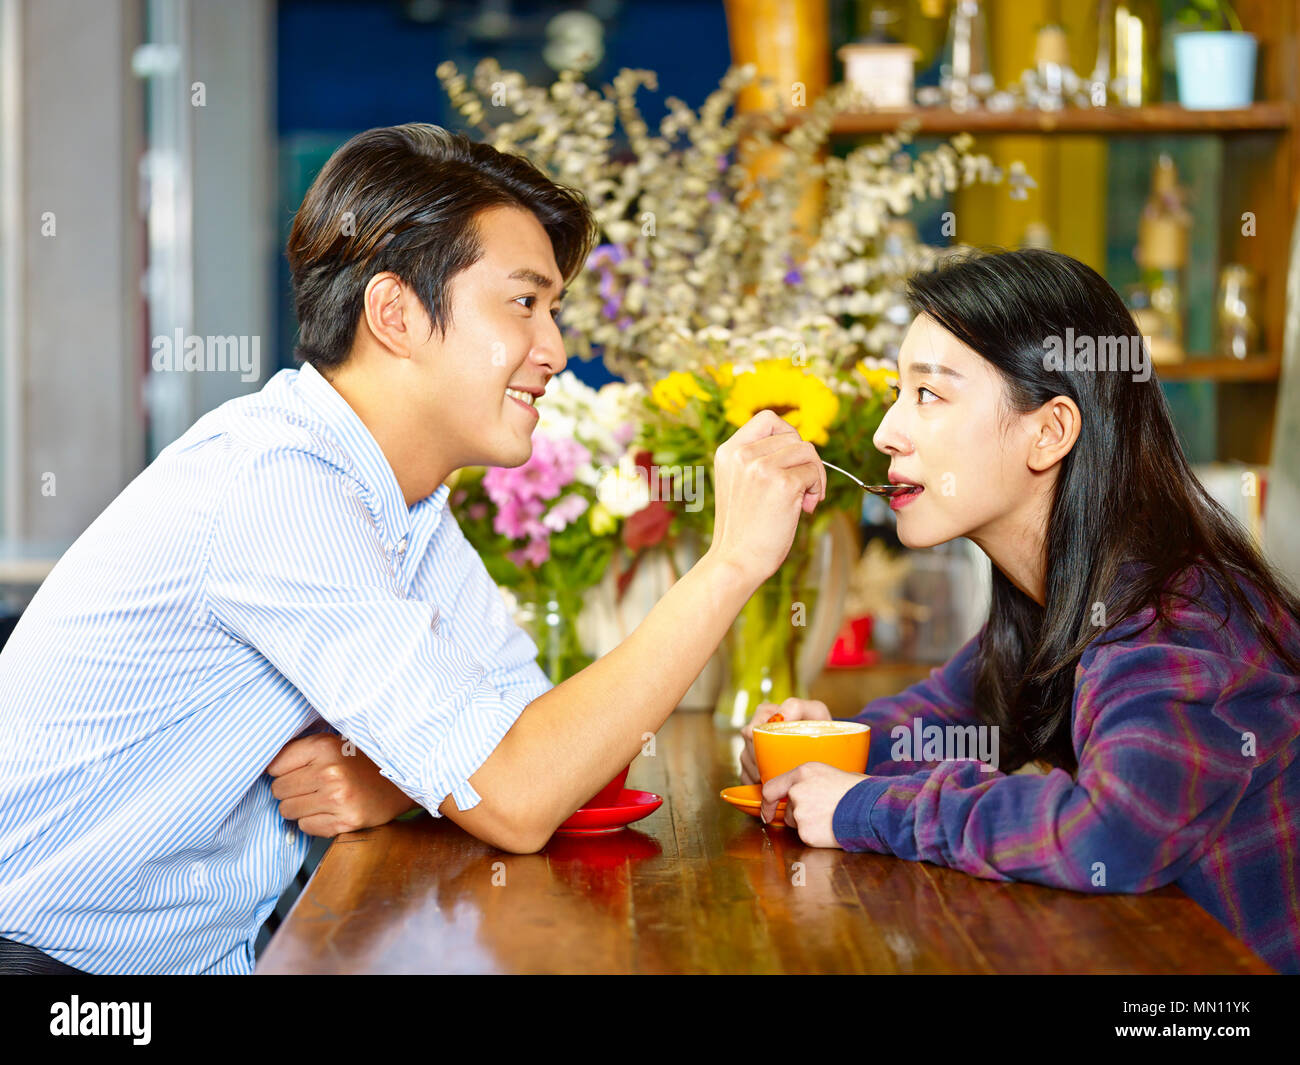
x: 687, y: 414
x: 711, y: 290
x: 546, y: 530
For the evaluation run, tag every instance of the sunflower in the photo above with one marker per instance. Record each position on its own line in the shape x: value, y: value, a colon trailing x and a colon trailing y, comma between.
x: 722, y: 375
x: 676, y: 390
x: 880, y: 379
x: 794, y: 394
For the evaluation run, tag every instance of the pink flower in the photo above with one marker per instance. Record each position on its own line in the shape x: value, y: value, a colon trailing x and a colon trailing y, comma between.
x: 519, y: 518
x: 552, y: 465
x: 535, y: 553
x: 568, y: 509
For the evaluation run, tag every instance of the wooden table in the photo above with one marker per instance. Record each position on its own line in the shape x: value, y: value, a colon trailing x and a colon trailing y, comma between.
x: 699, y: 887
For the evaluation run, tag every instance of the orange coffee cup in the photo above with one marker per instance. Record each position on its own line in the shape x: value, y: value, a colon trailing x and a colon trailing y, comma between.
x: 781, y: 745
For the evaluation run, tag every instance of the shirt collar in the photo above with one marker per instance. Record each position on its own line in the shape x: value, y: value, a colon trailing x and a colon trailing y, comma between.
x: 387, y: 505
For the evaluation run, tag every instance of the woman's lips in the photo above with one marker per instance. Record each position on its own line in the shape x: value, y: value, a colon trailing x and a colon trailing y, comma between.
x: 901, y: 499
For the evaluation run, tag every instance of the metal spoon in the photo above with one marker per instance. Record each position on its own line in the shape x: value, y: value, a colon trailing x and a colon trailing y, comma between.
x: 885, y: 490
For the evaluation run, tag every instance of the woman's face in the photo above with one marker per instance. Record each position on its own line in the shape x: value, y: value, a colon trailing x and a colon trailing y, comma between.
x: 950, y: 433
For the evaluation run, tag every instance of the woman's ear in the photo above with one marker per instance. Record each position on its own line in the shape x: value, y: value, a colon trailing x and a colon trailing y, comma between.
x: 1054, y: 428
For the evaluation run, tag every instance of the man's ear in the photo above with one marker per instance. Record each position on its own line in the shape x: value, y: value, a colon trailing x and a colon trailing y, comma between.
x: 386, y: 303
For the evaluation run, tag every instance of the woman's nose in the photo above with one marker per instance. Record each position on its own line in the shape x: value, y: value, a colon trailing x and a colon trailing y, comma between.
x: 888, y: 436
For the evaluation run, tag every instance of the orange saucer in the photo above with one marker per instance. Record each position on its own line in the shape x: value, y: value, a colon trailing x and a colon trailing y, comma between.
x: 749, y: 797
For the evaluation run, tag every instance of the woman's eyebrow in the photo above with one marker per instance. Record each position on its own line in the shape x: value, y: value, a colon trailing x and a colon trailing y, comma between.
x: 934, y: 368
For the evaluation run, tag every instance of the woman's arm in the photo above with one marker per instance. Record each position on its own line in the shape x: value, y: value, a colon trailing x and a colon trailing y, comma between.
x: 1162, y: 766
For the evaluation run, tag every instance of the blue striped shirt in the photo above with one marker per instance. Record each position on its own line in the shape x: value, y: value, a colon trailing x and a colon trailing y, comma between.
x: 262, y: 578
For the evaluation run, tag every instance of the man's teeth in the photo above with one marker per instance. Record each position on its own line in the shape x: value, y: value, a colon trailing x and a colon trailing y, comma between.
x: 523, y: 397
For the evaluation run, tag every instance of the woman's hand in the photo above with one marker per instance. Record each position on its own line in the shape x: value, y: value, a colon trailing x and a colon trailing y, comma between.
x: 791, y: 710
x: 811, y: 792
x: 328, y: 791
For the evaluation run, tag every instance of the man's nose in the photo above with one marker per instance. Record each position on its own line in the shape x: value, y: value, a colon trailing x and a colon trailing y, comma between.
x: 549, y: 348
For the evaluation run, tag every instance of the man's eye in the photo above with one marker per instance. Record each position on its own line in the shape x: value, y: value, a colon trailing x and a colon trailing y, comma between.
x: 555, y: 312
x: 531, y: 300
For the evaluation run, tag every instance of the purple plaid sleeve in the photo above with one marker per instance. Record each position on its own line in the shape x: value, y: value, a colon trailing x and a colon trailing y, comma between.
x: 1187, y: 773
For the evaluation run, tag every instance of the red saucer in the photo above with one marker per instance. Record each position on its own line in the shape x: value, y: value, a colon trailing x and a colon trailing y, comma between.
x: 594, y: 820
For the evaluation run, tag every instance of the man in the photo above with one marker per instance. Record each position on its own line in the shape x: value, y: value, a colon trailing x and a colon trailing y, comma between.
x: 290, y: 562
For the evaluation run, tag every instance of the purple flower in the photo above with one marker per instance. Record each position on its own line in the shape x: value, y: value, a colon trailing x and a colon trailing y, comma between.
x: 714, y: 196
x: 794, y: 277
x: 604, y: 255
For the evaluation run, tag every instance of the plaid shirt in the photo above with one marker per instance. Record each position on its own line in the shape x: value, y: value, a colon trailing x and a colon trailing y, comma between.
x: 1186, y: 740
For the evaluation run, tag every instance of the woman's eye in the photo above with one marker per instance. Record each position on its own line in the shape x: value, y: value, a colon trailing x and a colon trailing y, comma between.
x: 898, y: 394
x: 921, y: 389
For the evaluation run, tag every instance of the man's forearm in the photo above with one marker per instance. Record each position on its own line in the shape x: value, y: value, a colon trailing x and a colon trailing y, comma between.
x: 572, y: 740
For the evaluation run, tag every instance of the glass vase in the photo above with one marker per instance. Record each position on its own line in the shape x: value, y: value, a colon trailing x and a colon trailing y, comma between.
x: 550, y: 616
x: 762, y: 647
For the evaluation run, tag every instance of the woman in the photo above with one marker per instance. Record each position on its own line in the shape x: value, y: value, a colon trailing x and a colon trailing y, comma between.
x: 1137, y: 645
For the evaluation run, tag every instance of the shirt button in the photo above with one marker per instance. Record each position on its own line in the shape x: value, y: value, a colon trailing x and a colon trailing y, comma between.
x: 401, y: 546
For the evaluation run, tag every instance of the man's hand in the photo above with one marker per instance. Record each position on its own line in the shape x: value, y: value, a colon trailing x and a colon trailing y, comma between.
x: 811, y: 791
x: 765, y: 475
x: 329, y: 792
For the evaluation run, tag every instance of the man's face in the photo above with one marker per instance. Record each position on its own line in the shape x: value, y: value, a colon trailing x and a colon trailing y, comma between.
x: 503, y: 335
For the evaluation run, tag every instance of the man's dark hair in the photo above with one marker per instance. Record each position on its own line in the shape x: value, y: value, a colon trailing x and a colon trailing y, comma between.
x: 404, y: 199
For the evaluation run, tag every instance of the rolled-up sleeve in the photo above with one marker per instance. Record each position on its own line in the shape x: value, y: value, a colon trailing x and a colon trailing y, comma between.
x: 296, y: 570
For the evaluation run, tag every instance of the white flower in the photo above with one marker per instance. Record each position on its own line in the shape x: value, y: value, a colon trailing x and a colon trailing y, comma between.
x: 623, y: 489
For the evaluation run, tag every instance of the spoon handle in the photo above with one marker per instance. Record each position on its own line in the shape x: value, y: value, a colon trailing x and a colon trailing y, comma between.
x: 885, y: 490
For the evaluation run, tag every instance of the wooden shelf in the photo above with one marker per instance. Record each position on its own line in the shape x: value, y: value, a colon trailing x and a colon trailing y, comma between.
x: 1254, y: 368
x: 1156, y: 118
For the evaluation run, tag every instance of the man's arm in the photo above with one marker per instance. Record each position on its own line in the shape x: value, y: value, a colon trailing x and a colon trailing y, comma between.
x: 295, y: 570
x: 573, y: 739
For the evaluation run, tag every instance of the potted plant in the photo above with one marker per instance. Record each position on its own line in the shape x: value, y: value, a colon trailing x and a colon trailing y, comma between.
x: 1214, y: 58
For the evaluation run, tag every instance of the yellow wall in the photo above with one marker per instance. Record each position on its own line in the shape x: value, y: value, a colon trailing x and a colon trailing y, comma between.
x: 1070, y: 171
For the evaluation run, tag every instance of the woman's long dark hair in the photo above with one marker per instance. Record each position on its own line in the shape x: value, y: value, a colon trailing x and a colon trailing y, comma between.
x: 1124, y: 493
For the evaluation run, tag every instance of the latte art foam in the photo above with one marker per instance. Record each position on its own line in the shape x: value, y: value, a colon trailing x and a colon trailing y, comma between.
x: 812, y: 728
